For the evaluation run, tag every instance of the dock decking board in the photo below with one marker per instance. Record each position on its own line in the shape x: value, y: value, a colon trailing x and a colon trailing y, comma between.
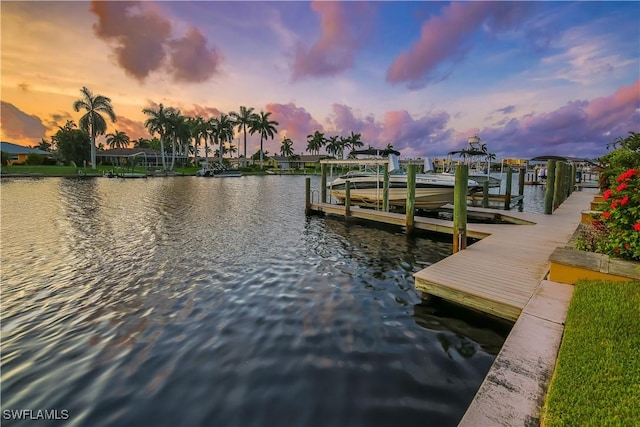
x: 500, y: 273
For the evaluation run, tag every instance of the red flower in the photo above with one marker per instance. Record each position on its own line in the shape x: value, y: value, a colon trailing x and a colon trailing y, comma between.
x: 624, y: 200
x: 607, y: 194
x: 614, y: 204
x: 627, y: 246
x: 622, y: 186
x: 607, y: 215
x: 626, y: 175
x: 636, y: 226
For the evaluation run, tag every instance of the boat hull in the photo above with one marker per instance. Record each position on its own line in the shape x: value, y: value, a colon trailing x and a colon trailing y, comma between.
x: 432, y: 190
x: 425, y: 198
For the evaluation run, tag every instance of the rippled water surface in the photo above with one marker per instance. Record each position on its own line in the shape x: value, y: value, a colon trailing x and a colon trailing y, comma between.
x: 215, y: 302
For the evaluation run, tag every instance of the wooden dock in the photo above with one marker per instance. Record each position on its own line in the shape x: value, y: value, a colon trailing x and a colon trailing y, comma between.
x: 499, y: 274
x: 436, y: 225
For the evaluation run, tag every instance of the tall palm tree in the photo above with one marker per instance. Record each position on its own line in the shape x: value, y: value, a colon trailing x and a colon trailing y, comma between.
x: 242, y: 119
x: 224, y: 131
x: 334, y: 146
x: 92, y: 121
x: 315, y: 142
x: 176, y: 129
x: 266, y: 128
x: 198, y: 131
x: 157, y: 123
x: 118, y: 139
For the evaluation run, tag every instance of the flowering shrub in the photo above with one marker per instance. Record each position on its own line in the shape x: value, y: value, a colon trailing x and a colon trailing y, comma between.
x: 617, y: 232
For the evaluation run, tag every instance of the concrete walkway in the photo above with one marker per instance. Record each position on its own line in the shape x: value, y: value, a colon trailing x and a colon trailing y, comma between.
x: 514, y: 390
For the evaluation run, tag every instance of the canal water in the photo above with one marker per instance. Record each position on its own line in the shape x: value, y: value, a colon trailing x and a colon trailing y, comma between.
x: 215, y: 302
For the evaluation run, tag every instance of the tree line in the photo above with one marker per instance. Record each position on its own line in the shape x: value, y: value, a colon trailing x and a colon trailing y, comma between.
x: 174, y: 134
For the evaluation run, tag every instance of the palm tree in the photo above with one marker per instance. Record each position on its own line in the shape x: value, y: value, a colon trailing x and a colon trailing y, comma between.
x: 118, y: 139
x: 334, y: 146
x: 286, y: 149
x: 141, y: 143
x: 354, y: 141
x: 93, y: 122
x: 315, y: 142
x: 242, y: 119
x: 266, y: 128
x: 198, y: 131
x: 176, y: 127
x: 224, y: 131
x: 157, y: 123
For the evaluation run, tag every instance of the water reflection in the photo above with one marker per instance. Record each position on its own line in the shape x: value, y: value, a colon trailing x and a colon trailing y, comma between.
x: 186, y: 301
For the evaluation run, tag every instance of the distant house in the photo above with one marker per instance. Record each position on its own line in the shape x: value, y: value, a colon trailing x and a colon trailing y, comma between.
x: 18, y: 153
x: 144, y: 157
x: 297, y: 162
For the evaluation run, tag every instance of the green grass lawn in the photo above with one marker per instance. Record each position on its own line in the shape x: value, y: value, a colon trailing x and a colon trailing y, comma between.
x: 597, y: 377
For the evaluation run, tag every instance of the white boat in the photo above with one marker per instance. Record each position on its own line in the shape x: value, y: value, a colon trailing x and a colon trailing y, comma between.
x: 218, y: 172
x: 366, y: 188
x: 477, y: 158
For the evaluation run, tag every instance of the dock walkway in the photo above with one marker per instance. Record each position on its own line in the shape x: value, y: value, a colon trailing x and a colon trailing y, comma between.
x: 499, y: 274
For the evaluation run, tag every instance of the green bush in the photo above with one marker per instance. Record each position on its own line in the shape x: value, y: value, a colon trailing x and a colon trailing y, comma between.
x: 34, y: 159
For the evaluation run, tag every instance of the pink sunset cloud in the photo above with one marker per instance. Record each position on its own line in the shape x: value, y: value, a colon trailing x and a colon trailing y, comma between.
x: 138, y: 39
x: 294, y: 122
x: 142, y: 42
x: 190, y: 60
x: 445, y: 38
x: 134, y: 129
x: 202, y: 111
x: 345, y: 121
x: 344, y: 30
x: 16, y: 124
x: 575, y: 129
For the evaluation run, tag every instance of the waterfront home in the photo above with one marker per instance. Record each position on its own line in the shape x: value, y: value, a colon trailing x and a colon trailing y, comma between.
x: 18, y: 154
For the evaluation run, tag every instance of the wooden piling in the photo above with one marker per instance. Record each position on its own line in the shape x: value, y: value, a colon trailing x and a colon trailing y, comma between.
x: 323, y: 183
x: 347, y: 199
x: 573, y: 178
x: 521, y: 175
x: 411, y: 197
x: 385, y: 189
x: 548, y: 195
x: 558, y: 184
x: 307, y: 195
x: 485, y: 194
x: 507, y: 193
x: 460, y: 208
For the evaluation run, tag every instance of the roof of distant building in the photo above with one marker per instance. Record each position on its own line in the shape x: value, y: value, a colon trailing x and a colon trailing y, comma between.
x: 10, y: 148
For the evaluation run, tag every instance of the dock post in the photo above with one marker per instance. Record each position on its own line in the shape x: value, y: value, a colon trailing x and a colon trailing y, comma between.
x: 507, y: 193
x: 385, y: 189
x: 347, y: 199
x: 548, y: 194
x: 323, y: 183
x: 307, y: 196
x: 411, y: 197
x: 460, y: 208
x: 574, y: 171
x: 485, y: 194
x: 521, y: 175
x: 558, y: 184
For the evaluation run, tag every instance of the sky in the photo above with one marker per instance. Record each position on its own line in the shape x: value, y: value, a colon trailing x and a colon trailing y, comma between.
x: 529, y: 78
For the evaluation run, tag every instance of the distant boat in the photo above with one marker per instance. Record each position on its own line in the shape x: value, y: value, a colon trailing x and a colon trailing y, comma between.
x: 477, y: 158
x: 218, y: 172
x: 366, y: 187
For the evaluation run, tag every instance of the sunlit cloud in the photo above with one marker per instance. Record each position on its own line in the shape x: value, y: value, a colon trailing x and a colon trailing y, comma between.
x: 446, y: 39
x: 345, y: 29
x: 16, y: 124
x: 143, y: 42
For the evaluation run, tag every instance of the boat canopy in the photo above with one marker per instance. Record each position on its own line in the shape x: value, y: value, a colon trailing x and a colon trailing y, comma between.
x: 374, y: 152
